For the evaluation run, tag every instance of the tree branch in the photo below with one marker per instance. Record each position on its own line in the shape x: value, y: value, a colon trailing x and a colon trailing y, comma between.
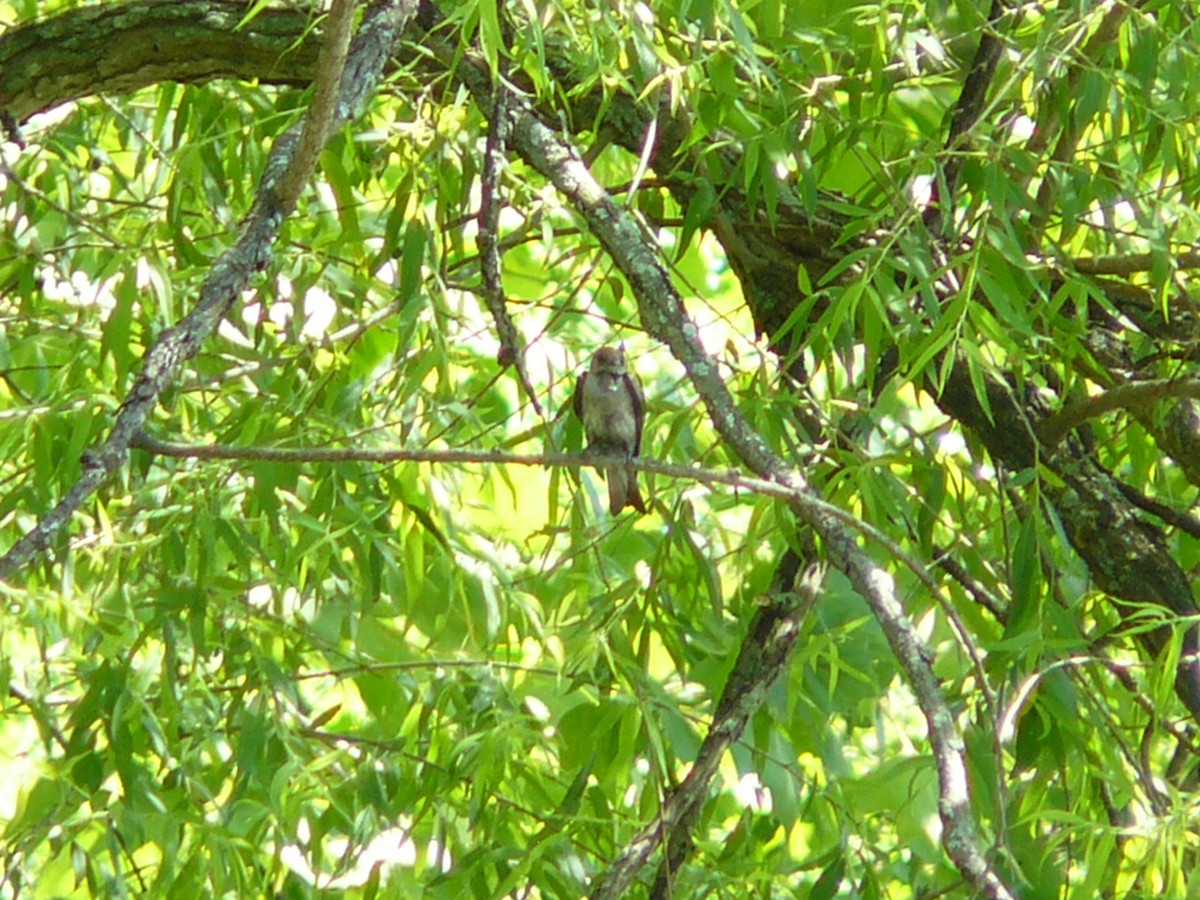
x: 229, y: 275
x: 1184, y: 522
x: 321, y: 113
x: 512, y: 353
x: 1130, y: 263
x: 1135, y: 396
x: 49, y: 62
x: 1102, y: 40
x: 763, y: 657
x: 738, y: 480
x: 664, y: 316
x: 1129, y: 557
x: 969, y: 106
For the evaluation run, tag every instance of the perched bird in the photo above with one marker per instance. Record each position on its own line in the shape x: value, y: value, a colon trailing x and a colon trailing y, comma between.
x: 610, y: 404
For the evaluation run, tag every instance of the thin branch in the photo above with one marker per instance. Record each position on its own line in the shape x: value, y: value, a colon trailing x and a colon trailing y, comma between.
x: 512, y: 353
x: 321, y: 112
x: 377, y: 38
x: 735, y: 479
x: 1168, y: 514
x: 985, y: 598
x: 969, y: 106
x: 45, y: 722
x: 1135, y: 396
x: 1102, y: 41
x: 1131, y: 263
x: 80, y: 221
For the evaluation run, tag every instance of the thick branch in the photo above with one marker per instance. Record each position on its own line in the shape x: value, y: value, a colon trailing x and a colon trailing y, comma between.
x: 1129, y: 558
x: 119, y: 48
x: 1135, y: 396
x: 763, y: 657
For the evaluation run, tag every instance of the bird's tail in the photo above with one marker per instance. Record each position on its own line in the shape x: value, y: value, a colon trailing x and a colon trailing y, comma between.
x: 623, y: 490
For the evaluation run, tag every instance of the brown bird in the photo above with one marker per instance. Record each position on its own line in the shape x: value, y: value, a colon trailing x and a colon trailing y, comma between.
x: 610, y: 404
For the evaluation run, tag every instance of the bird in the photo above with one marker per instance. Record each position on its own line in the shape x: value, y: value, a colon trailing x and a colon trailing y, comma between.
x: 609, y: 402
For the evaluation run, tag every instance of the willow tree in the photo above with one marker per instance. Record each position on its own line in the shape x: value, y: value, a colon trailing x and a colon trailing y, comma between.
x: 310, y: 585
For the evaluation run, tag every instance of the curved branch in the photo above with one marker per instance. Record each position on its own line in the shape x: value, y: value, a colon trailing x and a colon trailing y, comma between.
x: 119, y: 48
x: 1134, y: 396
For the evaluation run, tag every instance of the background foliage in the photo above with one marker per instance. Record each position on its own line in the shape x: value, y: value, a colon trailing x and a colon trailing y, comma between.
x: 235, y: 677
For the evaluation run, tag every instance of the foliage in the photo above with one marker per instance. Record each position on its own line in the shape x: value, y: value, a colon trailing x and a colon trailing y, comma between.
x: 240, y: 677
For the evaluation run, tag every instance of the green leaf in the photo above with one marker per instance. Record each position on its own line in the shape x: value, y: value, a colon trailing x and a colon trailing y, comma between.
x: 1025, y: 579
x: 830, y: 881
x: 491, y: 40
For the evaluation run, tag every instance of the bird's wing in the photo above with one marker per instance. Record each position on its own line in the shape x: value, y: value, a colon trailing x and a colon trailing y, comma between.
x: 639, y: 410
x: 577, y: 400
